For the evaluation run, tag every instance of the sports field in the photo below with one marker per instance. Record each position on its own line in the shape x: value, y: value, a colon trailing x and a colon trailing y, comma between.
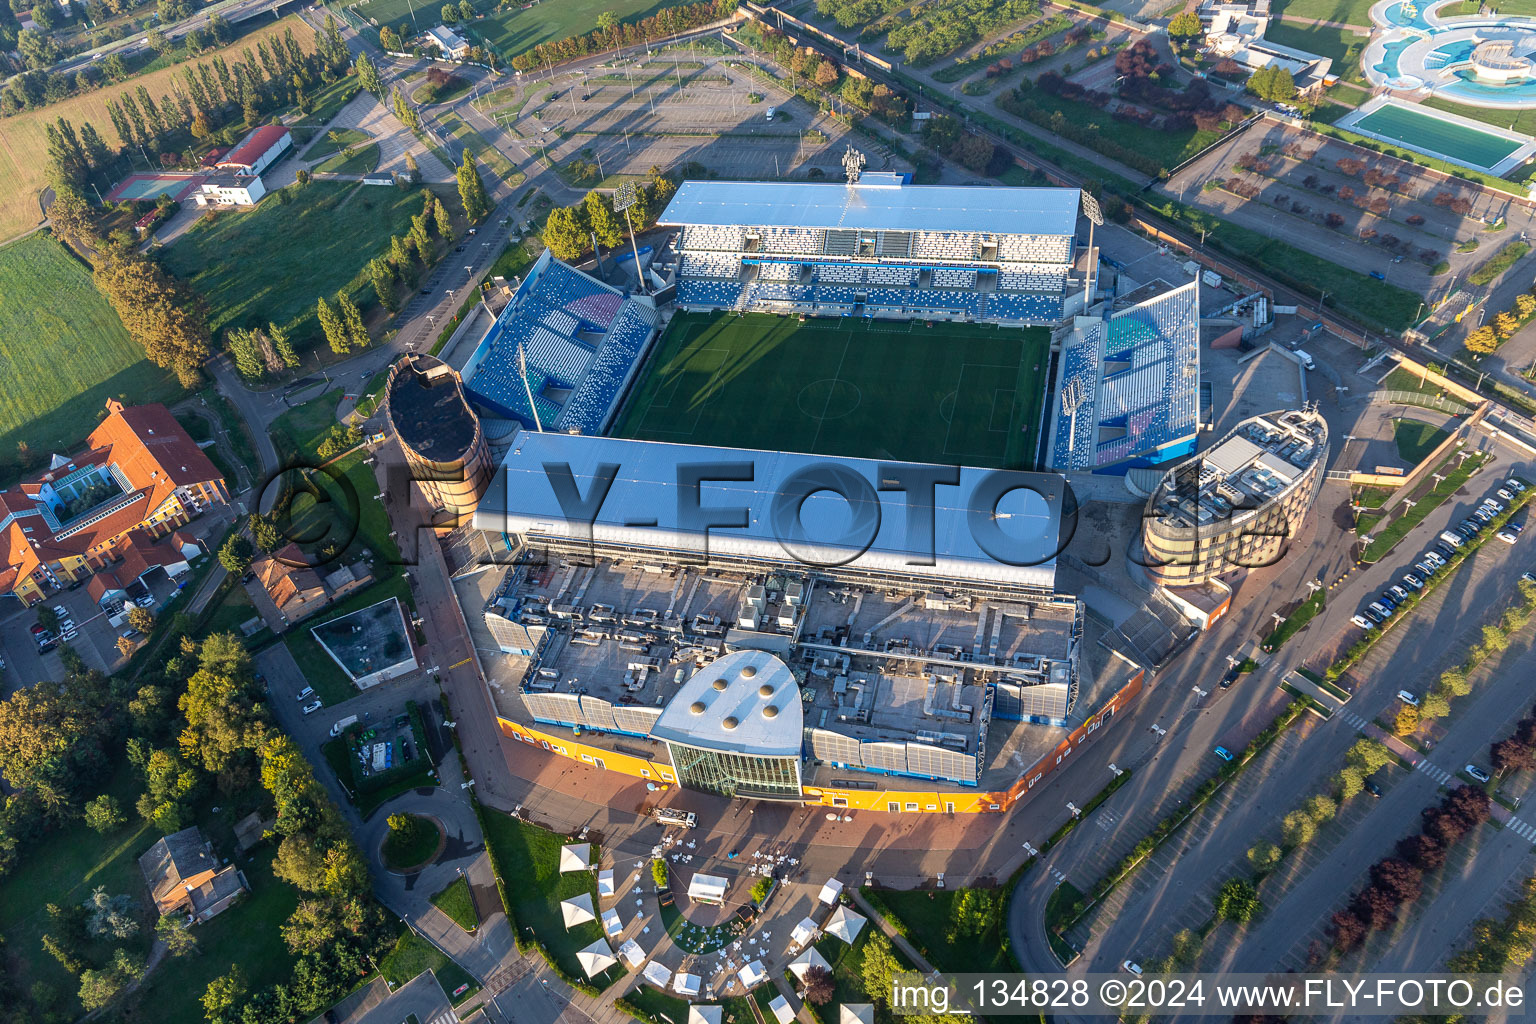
x: 514, y: 28
x: 63, y: 351
x: 947, y: 393
x: 1427, y: 133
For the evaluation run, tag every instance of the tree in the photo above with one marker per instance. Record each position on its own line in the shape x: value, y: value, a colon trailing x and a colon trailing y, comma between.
x: 352, y: 319
x: 411, y: 170
x: 235, y: 554
x: 383, y: 277
x: 760, y: 890
x: 880, y: 967
x: 335, y: 331
x: 564, y: 234
x: 50, y: 736
x: 1237, y: 900
x: 223, y: 994
x: 103, y: 814
x: 1185, y: 25
x: 368, y: 74
x: 161, y: 313
x: 265, y: 531
x: 300, y: 864
x: 658, y: 867
x: 1399, y: 879
x: 1435, y: 704
x: 170, y: 786
x: 1319, y: 808
x: 607, y: 21
x: 442, y: 221
x: 46, y: 16
x: 1264, y: 855
x: 110, y: 916
x: 141, y: 619
x: 826, y: 74
x: 1511, y: 755
x: 472, y: 190
x: 1298, y: 828
x: 975, y: 912
x: 450, y: 13
x: 172, y: 930
x: 607, y: 226
x: 1483, y: 340
x: 1407, y: 720
x: 819, y: 986
x: 389, y: 40
x: 1505, y: 325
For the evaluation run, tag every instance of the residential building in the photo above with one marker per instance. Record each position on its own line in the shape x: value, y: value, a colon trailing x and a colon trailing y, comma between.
x: 140, y: 474
x: 293, y: 586
x: 452, y: 45
x: 184, y: 876
x: 230, y: 190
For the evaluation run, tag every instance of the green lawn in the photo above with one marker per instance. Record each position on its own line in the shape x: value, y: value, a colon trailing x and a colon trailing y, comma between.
x: 411, y: 847
x: 299, y: 431
x: 413, y: 954
x: 661, y: 1006
x: 848, y: 975
x: 1349, y: 12
x: 529, y: 859
x: 362, y: 161
x: 1456, y: 474
x: 1340, y: 44
x: 335, y: 140
x: 1302, y: 614
x: 1169, y: 149
x: 1522, y: 120
x: 63, y: 352
x: 927, y: 915
x: 273, y: 262
x: 512, y: 30
x: 246, y: 934
x: 339, y: 506
x: 965, y: 392
x: 1416, y: 439
x: 462, y: 136
x: 63, y: 866
x: 458, y: 903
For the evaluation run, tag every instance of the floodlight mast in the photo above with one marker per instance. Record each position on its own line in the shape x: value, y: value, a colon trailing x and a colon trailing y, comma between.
x: 522, y: 364
x: 623, y: 198
x: 1095, y: 217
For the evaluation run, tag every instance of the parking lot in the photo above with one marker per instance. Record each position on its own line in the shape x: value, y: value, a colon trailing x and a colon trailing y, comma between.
x: 672, y: 108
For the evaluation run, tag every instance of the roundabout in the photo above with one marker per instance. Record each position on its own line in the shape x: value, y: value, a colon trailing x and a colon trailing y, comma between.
x: 412, y: 842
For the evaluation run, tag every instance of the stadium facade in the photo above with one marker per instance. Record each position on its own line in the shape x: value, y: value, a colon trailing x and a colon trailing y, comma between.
x: 778, y: 626
x: 1234, y: 506
x: 1128, y: 384
x: 878, y: 246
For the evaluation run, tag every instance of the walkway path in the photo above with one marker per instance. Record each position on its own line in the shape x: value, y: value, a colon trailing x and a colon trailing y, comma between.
x: 1291, y: 19
x: 897, y: 939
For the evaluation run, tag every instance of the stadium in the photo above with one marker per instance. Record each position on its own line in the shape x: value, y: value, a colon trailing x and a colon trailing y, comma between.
x: 835, y: 646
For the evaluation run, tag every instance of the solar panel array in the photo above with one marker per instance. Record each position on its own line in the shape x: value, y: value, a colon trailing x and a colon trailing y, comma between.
x: 575, y: 334
x: 590, y: 712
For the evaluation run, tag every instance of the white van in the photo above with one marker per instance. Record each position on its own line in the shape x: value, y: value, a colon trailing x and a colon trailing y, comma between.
x: 1452, y: 538
x: 1306, y: 360
x: 771, y: 112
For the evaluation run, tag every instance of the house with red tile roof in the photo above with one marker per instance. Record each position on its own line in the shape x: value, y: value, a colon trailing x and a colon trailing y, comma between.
x: 139, y: 478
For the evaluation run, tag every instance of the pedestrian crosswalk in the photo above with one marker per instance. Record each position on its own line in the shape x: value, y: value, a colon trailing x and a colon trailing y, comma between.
x: 448, y: 1017
x: 1521, y: 829
x: 1354, y: 720
x: 1439, y: 774
x: 1060, y: 878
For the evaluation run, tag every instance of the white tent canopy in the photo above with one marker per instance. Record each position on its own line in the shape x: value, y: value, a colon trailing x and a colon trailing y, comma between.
x: 575, y: 857
x: 634, y: 956
x: 611, y: 923
x: 657, y: 975
x: 707, y: 888
x: 801, y: 965
x: 781, y: 1009
x: 605, y: 882
x: 686, y: 984
x: 596, y: 958
x: 845, y: 924
x: 753, y: 974
x: 830, y: 891
x: 856, y: 1013
x: 577, y: 910
x: 707, y: 1014
x: 803, y: 933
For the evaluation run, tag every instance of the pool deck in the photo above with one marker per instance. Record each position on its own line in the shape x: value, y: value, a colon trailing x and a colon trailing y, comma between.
x: 1525, y: 146
x: 1410, y: 72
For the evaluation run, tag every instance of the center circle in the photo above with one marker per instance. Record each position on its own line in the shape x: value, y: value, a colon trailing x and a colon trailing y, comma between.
x: 828, y: 398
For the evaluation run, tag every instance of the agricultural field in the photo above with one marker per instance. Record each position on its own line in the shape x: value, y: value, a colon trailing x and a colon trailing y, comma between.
x: 24, y: 156
x: 63, y: 351
x: 273, y: 262
x: 517, y: 28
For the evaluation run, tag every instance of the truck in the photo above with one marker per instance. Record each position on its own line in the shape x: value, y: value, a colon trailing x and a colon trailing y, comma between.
x: 341, y: 726
x: 1306, y: 360
x: 673, y: 816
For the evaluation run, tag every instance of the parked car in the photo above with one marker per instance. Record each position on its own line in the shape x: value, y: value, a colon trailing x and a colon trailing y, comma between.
x: 1434, y: 558
x: 310, y: 709
x: 1445, y: 551
x: 1514, y: 527
x: 1398, y: 592
x: 1132, y: 966
x: 60, y: 611
x: 1377, y: 613
x: 44, y: 648
x: 1388, y: 598
x: 1514, y: 485
x: 1452, y: 540
x: 1224, y: 753
x: 1372, y: 788
x: 129, y: 633
x: 1408, y: 698
x: 68, y: 635
x: 1413, y: 581
x: 1361, y: 621
x: 1528, y: 577
x: 37, y: 628
x: 1476, y: 772
x: 1505, y: 493
x: 1494, y: 504
x: 305, y: 694
x: 1506, y: 537
x: 1424, y: 569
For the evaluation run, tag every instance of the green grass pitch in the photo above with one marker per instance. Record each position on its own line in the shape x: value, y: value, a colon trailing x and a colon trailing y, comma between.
x: 63, y: 351
x: 949, y: 393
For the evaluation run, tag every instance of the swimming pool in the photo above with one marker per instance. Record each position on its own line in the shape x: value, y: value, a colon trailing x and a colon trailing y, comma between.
x: 1418, y: 128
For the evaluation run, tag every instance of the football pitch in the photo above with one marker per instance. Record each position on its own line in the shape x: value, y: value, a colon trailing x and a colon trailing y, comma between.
x: 948, y: 393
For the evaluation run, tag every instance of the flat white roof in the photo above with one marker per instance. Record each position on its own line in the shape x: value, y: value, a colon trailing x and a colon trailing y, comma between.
x: 747, y: 702
x: 650, y: 503
x: 878, y: 205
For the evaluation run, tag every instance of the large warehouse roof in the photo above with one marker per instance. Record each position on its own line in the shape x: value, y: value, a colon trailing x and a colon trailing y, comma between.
x: 875, y: 207
x: 645, y: 508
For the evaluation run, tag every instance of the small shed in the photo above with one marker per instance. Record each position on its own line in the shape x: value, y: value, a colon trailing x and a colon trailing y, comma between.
x: 804, y: 933
x: 634, y: 956
x: 801, y: 965
x: 830, y: 891
x: 611, y: 923
x: 782, y: 1011
x: 753, y: 974
x: 708, y: 889
x: 605, y: 884
x: 686, y: 984
x: 657, y: 975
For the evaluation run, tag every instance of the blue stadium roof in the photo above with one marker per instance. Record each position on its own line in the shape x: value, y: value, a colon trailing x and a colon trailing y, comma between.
x: 878, y: 206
